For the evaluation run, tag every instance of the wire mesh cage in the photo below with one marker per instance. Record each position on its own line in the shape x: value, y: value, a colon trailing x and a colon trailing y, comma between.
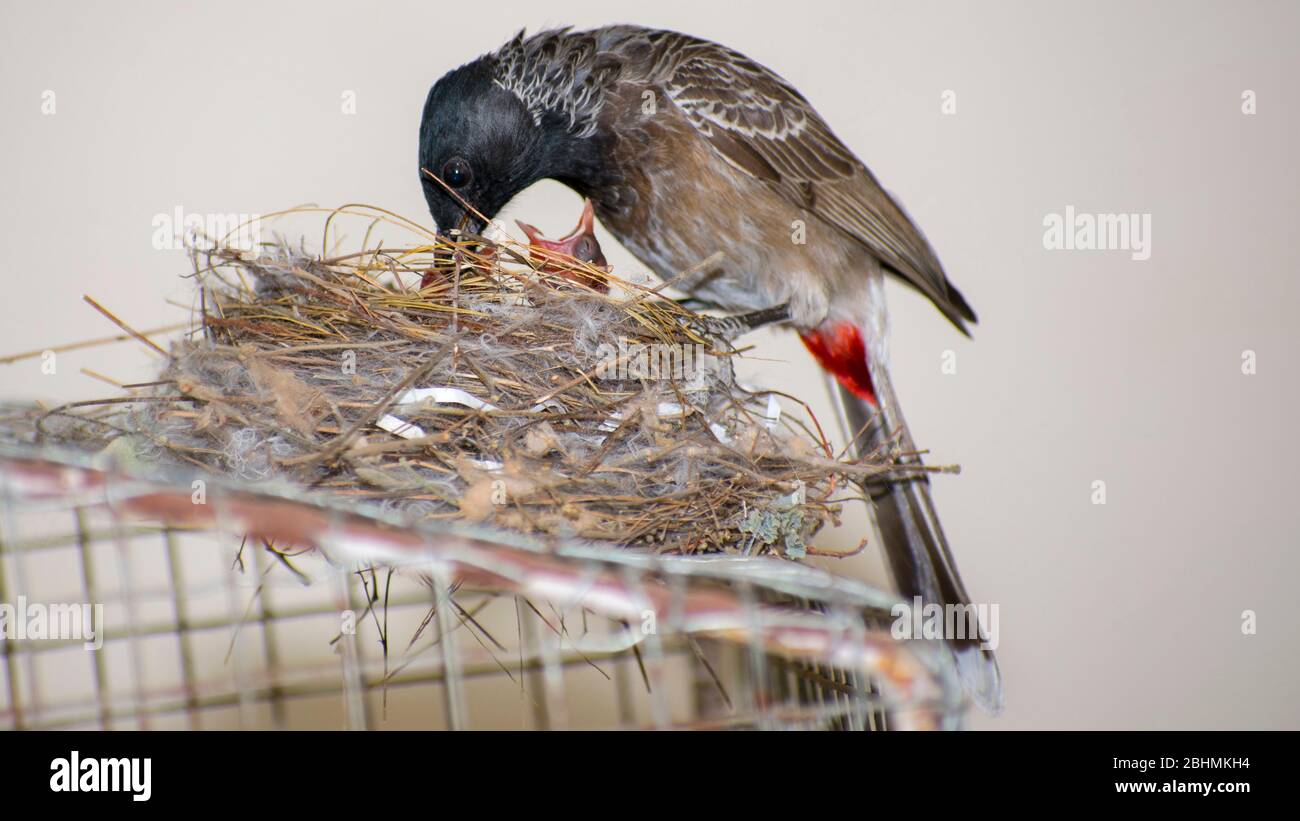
x: 143, y: 603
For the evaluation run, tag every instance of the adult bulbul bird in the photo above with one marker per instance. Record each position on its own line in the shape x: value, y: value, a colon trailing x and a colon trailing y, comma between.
x: 686, y: 147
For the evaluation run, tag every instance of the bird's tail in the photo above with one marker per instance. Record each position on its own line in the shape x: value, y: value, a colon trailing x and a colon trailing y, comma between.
x: 913, y: 540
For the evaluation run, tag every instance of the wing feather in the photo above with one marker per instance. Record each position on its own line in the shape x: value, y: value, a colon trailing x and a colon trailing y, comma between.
x: 760, y: 124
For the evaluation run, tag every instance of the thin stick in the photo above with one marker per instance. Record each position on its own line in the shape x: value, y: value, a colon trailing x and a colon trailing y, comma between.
x: 101, y: 377
x: 119, y: 323
x: 90, y: 343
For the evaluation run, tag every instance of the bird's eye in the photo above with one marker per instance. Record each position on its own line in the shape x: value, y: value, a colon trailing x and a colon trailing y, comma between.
x: 585, y: 249
x: 456, y: 172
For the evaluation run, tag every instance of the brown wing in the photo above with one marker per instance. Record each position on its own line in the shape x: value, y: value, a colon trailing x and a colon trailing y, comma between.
x: 762, y: 125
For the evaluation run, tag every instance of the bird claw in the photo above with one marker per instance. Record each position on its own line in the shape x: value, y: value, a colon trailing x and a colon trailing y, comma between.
x: 730, y: 327
x: 695, y: 304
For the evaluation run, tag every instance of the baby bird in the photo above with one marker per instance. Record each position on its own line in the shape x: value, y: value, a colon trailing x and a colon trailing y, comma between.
x: 580, y: 244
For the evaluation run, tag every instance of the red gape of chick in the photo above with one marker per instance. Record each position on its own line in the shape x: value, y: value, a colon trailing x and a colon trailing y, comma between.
x: 580, y: 244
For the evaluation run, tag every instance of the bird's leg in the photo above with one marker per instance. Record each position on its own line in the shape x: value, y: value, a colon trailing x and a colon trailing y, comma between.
x: 695, y: 304
x: 730, y: 327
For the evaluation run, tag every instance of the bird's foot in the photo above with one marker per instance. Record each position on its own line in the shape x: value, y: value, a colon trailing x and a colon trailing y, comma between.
x: 730, y: 327
x: 695, y: 304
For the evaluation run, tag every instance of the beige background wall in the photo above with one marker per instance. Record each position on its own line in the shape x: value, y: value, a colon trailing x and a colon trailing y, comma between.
x: 1087, y: 365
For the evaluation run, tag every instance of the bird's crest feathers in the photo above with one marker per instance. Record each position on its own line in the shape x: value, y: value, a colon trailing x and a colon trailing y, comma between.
x: 556, y: 71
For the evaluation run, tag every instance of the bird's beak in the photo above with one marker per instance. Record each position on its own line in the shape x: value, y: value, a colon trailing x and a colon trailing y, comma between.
x: 569, y: 244
x: 467, y: 225
x: 534, y: 235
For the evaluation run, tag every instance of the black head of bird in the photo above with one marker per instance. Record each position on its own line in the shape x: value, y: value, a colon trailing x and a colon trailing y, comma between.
x: 479, y: 140
x: 496, y: 125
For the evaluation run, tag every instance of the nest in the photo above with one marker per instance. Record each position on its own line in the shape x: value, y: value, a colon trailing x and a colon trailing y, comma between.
x: 502, y: 390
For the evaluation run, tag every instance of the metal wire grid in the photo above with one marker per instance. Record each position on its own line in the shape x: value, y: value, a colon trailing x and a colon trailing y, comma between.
x: 212, y: 620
